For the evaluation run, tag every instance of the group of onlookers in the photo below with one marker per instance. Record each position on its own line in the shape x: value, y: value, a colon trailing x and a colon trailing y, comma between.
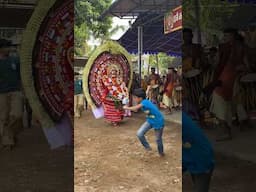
x: 164, y: 91
x: 210, y: 77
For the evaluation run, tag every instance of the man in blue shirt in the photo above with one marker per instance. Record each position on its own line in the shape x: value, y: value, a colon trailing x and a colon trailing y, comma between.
x: 11, y: 101
x: 197, y: 154
x: 154, y: 120
x: 78, y: 97
x: 78, y: 86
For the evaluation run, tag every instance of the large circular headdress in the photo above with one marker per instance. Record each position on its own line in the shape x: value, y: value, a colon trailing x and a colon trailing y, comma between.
x: 107, y: 57
x: 47, y: 59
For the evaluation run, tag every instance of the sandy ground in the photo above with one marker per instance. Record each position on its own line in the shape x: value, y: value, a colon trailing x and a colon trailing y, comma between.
x: 230, y: 175
x: 111, y: 159
x: 33, y: 167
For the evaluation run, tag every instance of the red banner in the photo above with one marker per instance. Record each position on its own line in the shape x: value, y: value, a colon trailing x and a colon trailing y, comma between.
x: 173, y: 20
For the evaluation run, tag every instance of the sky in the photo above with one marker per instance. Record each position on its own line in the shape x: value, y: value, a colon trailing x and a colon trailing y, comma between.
x: 119, y: 33
x: 122, y: 22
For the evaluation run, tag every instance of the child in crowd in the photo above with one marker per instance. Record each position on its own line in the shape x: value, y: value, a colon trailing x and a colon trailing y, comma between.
x: 154, y: 120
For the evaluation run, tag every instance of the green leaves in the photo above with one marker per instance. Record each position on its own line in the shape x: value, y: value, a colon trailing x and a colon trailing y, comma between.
x: 213, y: 15
x: 162, y: 60
x: 87, y: 24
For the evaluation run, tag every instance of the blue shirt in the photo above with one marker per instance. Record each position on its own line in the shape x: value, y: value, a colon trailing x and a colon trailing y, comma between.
x: 78, y: 87
x: 197, y: 152
x: 154, y: 116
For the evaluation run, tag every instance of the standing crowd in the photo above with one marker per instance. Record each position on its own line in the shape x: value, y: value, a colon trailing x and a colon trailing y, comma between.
x: 212, y: 79
x: 165, y: 91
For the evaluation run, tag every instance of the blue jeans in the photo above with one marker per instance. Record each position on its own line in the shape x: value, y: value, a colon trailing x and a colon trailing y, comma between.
x: 158, y: 132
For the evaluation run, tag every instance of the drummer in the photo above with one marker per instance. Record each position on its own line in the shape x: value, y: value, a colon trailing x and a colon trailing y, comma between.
x: 168, y: 97
x: 231, y: 61
x: 193, y: 63
x: 244, y: 87
x: 153, y: 86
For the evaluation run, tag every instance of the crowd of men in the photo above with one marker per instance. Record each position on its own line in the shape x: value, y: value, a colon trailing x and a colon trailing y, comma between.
x: 210, y: 76
x: 165, y: 90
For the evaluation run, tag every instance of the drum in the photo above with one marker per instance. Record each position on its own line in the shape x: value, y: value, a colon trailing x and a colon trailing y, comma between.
x: 178, y: 88
x: 207, y: 77
x: 250, y: 77
x: 193, y: 83
x: 155, y: 86
x: 248, y: 91
x: 187, y: 64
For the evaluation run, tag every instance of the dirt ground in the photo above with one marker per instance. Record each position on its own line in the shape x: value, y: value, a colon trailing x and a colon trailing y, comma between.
x: 33, y: 167
x: 111, y: 159
x: 230, y: 175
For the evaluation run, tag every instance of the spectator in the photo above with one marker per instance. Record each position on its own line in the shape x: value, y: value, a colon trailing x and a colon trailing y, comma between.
x: 11, y: 100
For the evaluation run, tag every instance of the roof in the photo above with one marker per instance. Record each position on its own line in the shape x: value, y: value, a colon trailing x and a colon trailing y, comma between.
x: 133, y: 8
x: 80, y: 61
x: 16, y: 15
x: 154, y: 39
x: 251, y: 2
x: 150, y: 15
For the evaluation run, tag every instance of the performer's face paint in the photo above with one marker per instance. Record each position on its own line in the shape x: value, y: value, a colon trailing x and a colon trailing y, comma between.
x: 114, y: 72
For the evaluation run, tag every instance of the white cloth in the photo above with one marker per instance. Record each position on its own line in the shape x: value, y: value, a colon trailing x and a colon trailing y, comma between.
x: 11, y: 112
x: 59, y: 135
x: 221, y: 109
x: 125, y: 101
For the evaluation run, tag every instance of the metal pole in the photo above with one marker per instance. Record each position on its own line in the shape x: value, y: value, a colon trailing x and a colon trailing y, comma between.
x: 140, y: 48
x: 197, y: 12
x: 157, y: 64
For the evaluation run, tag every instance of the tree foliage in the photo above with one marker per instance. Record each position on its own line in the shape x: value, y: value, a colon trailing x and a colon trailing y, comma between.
x: 87, y: 23
x: 214, y: 14
x: 162, y: 61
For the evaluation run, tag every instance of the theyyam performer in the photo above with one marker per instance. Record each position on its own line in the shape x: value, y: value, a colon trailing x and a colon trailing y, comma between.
x: 107, y: 80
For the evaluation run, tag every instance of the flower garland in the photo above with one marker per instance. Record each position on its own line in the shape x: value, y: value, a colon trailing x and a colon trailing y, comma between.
x: 117, y: 102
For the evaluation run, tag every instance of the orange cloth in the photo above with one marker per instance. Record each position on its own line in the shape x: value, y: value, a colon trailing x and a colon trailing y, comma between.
x: 169, y: 89
x: 233, y: 58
